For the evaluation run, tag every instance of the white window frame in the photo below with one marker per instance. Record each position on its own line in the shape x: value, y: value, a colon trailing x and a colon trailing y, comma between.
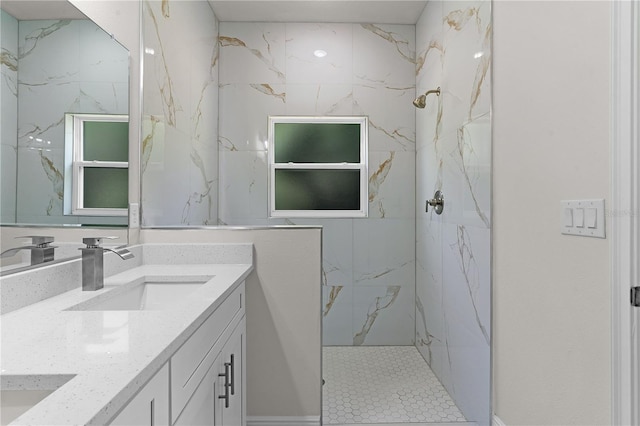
x: 362, y: 166
x: 74, y: 187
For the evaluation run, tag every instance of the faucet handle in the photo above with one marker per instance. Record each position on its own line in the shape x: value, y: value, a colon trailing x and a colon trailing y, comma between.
x: 39, y: 240
x: 93, y: 242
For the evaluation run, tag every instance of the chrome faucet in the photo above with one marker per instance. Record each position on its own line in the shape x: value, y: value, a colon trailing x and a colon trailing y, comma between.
x: 93, y: 262
x: 41, y: 251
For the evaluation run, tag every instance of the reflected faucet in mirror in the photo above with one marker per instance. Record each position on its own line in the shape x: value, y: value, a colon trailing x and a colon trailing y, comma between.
x: 93, y: 262
x: 41, y: 251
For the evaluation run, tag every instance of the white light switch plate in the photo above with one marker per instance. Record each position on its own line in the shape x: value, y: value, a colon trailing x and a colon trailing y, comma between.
x: 134, y: 215
x: 582, y: 212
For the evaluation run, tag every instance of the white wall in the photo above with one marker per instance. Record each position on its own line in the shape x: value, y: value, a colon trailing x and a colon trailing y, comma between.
x: 551, y: 142
x: 283, y: 315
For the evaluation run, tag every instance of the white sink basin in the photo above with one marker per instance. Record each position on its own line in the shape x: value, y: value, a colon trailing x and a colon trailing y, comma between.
x: 145, y: 294
x: 14, y: 402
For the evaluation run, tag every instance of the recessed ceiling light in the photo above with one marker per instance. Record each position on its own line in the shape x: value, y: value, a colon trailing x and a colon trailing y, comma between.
x: 319, y: 53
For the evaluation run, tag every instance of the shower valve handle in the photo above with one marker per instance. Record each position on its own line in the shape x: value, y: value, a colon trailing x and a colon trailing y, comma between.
x: 437, y: 202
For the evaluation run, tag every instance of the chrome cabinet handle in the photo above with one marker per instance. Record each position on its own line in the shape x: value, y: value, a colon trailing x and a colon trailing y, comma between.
x: 226, y: 395
x: 437, y: 202
x: 233, y: 387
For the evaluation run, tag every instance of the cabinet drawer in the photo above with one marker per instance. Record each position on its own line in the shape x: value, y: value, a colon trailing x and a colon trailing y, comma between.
x: 191, y: 362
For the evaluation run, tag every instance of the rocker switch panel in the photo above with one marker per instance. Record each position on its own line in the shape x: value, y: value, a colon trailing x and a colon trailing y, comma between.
x: 583, y: 218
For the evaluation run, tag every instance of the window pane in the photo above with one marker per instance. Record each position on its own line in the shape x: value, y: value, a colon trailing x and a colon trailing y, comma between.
x: 317, y: 143
x: 317, y: 189
x: 105, y: 141
x: 106, y: 188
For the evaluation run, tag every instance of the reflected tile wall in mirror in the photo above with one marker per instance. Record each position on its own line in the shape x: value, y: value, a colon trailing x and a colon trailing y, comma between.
x: 60, y: 66
x: 9, y: 116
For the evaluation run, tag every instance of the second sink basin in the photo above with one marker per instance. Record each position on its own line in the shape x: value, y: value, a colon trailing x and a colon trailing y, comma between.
x: 18, y: 394
x: 144, y: 294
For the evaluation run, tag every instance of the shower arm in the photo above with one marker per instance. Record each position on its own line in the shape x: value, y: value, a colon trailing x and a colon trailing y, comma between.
x: 436, y: 91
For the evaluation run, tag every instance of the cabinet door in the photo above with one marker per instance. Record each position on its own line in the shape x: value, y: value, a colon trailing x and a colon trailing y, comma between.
x: 150, y: 407
x: 232, y: 361
x: 201, y: 408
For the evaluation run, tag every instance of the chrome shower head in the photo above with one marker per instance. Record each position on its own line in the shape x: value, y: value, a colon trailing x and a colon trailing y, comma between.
x: 420, y: 101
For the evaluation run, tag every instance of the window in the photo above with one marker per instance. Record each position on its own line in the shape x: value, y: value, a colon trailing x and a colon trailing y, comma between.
x: 318, y: 166
x: 96, y: 164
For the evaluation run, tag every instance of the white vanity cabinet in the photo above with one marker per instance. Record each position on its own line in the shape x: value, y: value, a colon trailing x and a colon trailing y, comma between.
x: 204, y: 381
x: 219, y: 398
x: 150, y: 406
x: 202, y: 371
x: 232, y: 380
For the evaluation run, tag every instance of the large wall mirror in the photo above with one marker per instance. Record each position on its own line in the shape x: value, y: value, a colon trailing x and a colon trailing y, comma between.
x: 56, y: 62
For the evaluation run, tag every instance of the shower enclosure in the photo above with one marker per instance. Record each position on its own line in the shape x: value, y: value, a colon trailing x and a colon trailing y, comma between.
x: 400, y: 276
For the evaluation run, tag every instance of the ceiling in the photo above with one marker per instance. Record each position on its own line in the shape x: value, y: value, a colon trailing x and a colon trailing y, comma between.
x: 378, y: 11
x: 356, y: 11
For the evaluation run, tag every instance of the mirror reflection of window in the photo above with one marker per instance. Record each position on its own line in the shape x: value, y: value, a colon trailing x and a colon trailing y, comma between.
x: 97, y: 154
x: 57, y: 61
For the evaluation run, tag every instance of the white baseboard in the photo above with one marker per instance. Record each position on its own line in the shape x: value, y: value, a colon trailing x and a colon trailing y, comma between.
x: 283, y: 421
x: 497, y: 422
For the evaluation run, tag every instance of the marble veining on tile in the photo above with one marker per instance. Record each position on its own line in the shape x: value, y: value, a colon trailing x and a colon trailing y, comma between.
x: 458, y: 18
x: 469, y: 268
x: 482, y: 70
x: 236, y: 42
x: 32, y: 39
x: 147, y: 141
x: 402, y: 46
x: 268, y: 90
x: 424, y: 341
x: 464, y: 151
x: 376, y: 307
x: 57, y: 181
x: 333, y: 295
x: 165, y: 83
x: 376, y: 179
x: 180, y: 140
x: 9, y: 59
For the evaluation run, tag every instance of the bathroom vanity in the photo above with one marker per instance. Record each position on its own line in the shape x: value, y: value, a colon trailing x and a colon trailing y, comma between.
x: 161, y: 341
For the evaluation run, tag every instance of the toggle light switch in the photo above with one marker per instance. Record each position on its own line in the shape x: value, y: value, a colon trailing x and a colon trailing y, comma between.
x: 578, y: 215
x: 568, y: 217
x: 590, y: 217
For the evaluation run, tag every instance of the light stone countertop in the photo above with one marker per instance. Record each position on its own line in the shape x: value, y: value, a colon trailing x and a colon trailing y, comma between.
x: 111, y: 354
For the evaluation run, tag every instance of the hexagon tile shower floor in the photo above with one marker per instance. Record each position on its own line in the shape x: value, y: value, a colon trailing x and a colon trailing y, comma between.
x: 382, y: 384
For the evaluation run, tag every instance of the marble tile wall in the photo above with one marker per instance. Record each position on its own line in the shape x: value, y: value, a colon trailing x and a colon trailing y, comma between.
x: 9, y: 116
x: 64, y: 66
x: 453, y: 139
x: 269, y: 69
x: 180, y: 114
